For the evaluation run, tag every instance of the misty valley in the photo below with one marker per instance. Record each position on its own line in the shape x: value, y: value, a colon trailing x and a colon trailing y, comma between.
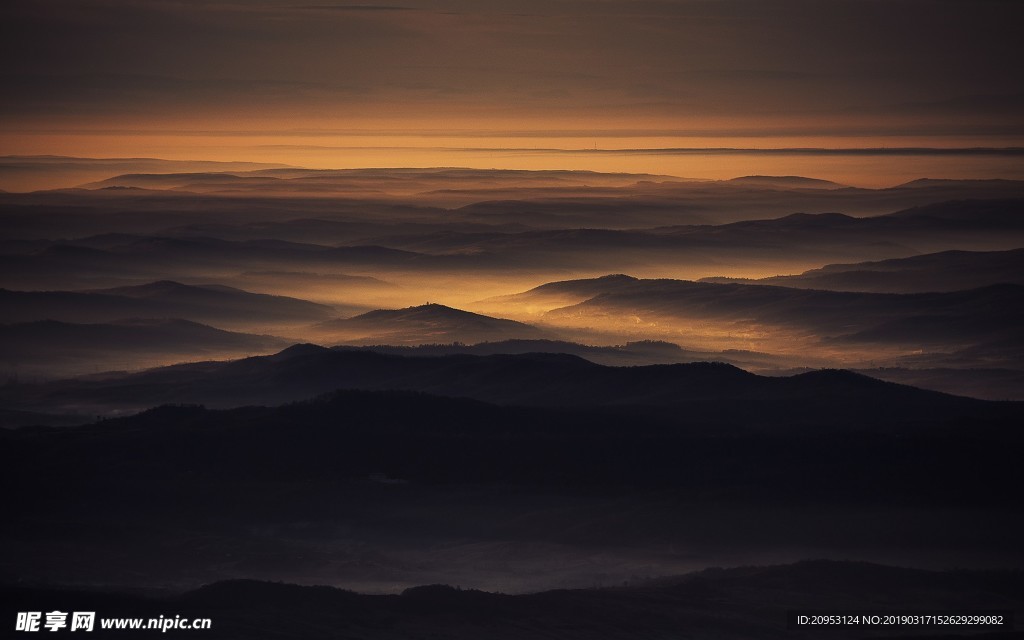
x: 493, y: 403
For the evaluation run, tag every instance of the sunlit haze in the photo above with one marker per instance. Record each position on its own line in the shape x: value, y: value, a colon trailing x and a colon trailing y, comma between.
x: 568, y: 84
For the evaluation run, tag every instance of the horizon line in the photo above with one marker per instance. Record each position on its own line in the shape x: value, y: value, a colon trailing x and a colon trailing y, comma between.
x: 999, y: 151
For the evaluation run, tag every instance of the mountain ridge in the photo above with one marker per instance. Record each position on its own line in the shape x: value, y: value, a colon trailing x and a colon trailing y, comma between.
x: 700, y: 392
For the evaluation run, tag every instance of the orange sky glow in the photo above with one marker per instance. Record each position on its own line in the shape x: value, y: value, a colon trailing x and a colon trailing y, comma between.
x: 574, y: 84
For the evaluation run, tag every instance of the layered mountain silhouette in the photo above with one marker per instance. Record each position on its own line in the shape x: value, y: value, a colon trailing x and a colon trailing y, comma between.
x: 383, y: 489
x: 700, y: 392
x: 956, y: 319
x: 501, y: 451
x: 195, y: 257
x: 649, y: 225
x: 392, y: 181
x: 969, y: 224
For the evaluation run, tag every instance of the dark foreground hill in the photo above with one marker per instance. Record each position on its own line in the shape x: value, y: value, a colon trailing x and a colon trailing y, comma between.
x: 637, y: 353
x: 429, y: 440
x: 381, y: 490
x: 735, y: 604
x: 694, y: 393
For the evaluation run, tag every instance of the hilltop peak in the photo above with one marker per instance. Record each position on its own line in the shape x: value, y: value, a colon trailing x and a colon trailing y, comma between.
x: 430, y: 323
x: 424, y: 310
x: 799, y: 182
x: 297, y: 350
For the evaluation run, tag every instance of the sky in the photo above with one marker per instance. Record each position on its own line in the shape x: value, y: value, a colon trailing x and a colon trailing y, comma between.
x: 404, y: 82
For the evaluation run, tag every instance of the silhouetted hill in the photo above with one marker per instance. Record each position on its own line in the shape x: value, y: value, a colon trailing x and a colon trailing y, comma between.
x: 965, y: 213
x: 389, y: 488
x: 787, y: 182
x: 588, y: 287
x: 165, y: 180
x: 944, y: 271
x: 697, y: 392
x: 554, y: 294
x: 425, y: 324
x: 49, y: 172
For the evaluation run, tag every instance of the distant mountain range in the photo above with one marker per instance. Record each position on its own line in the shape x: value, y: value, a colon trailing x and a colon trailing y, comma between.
x: 957, y: 318
x: 397, y: 181
x: 648, y: 228
x: 593, y: 431
x: 193, y: 257
x: 761, y: 244
x: 164, y: 299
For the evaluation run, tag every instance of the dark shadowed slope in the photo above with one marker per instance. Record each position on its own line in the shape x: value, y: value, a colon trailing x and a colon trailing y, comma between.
x: 974, y: 381
x: 975, y: 378
x: 398, y: 488
x: 425, y: 324
x: 52, y: 348
x: 638, y: 353
x: 944, y: 271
